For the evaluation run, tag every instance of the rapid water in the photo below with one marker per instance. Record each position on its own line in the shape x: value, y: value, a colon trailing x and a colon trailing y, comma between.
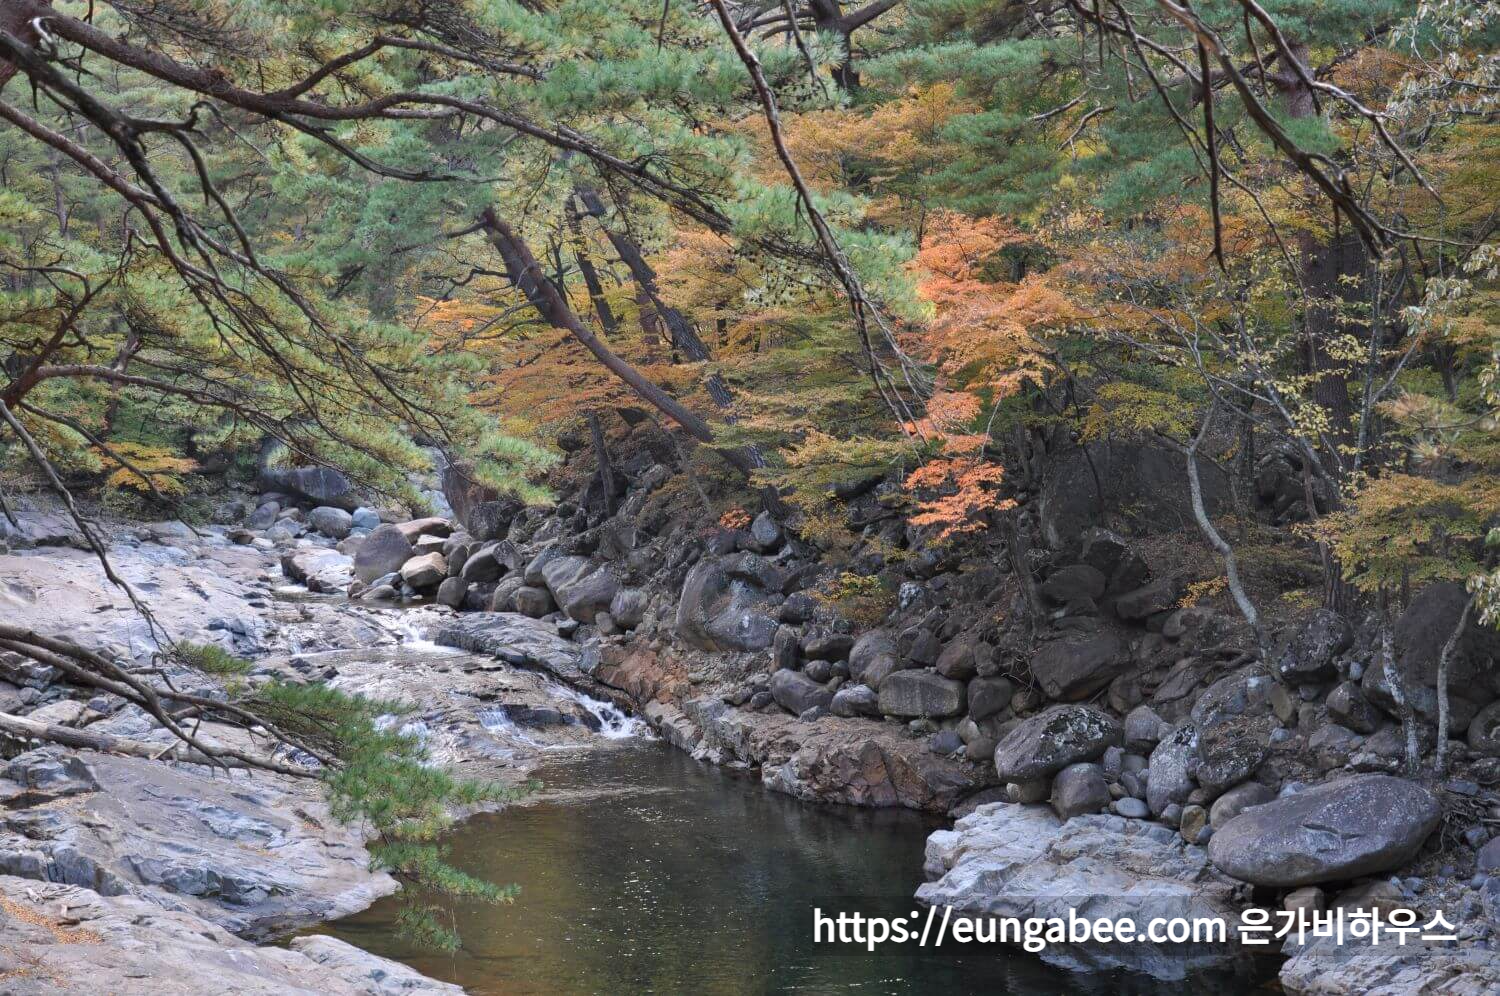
x: 643, y: 871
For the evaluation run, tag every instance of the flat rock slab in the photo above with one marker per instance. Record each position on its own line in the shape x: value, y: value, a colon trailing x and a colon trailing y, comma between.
x: 1328, y: 968
x: 253, y: 853
x: 514, y: 639
x: 1362, y: 825
x: 1021, y: 861
x: 57, y: 938
x: 849, y: 761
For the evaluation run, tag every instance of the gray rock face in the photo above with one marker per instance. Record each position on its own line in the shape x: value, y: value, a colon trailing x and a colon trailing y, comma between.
x: 922, y: 693
x: 335, y: 523
x: 1072, y: 670
x: 796, y: 692
x: 1310, y: 660
x: 724, y: 604
x: 1021, y: 861
x: 383, y: 552
x: 1079, y: 789
x: 425, y: 572
x: 873, y: 657
x: 1362, y: 825
x: 855, y: 700
x: 1420, y: 634
x: 1041, y: 746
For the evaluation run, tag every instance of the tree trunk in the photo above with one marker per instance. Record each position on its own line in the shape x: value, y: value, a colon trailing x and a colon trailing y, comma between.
x: 590, y: 275
x: 601, y: 457
x: 1445, y: 661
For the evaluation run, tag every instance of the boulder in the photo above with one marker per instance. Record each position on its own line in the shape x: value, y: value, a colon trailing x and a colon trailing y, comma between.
x: 264, y: 515
x: 1311, y: 659
x: 855, y: 700
x: 989, y: 696
x: 1362, y: 825
x: 365, y: 518
x: 725, y: 604
x: 628, y: 607
x: 1041, y: 746
x: 1349, y: 708
x: 1144, y: 729
x: 1238, y: 799
x: 1144, y: 484
x: 1078, y: 789
x: 335, y: 523
x: 319, y: 569
x: 796, y: 692
x: 482, y: 566
x: 1072, y: 670
x: 581, y: 590
x: 957, y: 660
x: 1147, y: 600
x: 1233, y: 721
x: 482, y: 510
x: 1484, y: 731
x: 922, y: 693
x: 431, y: 526
x: 531, y: 601
x: 425, y: 571
x: 765, y: 533
x: 1419, y: 636
x: 315, y: 485
x: 383, y: 552
x: 872, y: 657
x: 1170, y: 781
x: 828, y: 646
x: 451, y: 592
x: 1075, y: 583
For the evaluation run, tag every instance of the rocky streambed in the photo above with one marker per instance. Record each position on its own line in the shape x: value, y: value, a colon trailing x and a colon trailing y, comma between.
x: 1057, y: 806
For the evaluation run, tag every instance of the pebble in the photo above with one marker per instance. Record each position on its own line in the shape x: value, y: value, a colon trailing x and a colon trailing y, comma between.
x: 1132, y: 808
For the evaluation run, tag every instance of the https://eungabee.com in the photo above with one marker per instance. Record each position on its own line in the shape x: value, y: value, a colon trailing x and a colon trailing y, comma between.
x: 944, y: 927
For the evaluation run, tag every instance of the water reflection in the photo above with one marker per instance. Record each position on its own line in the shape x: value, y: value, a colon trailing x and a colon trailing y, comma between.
x: 644, y: 871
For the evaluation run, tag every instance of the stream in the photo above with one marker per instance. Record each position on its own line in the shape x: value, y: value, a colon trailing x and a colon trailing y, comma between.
x: 642, y: 870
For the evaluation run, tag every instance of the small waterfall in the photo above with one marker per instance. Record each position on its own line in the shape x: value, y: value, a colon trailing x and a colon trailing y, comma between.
x: 614, y: 723
x: 498, y: 723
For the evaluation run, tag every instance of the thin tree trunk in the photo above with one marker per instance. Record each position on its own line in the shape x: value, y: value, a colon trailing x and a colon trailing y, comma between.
x: 590, y: 274
x: 1398, y: 689
x: 601, y: 457
x: 66, y: 736
x: 1445, y: 660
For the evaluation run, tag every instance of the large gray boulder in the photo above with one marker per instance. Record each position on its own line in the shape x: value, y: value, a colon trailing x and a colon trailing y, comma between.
x: 482, y: 565
x: 315, y: 485
x: 1344, y: 829
x: 874, y: 656
x: 1078, y: 789
x: 725, y: 604
x: 922, y: 693
x: 1072, y: 670
x: 1420, y: 634
x: 335, y: 523
x: 1233, y: 720
x: 797, y: 693
x: 1142, y: 483
x: 425, y: 571
x: 582, y: 590
x: 1051, y: 740
x: 855, y: 700
x: 1171, y: 769
x: 482, y: 510
x: 1311, y: 657
x: 383, y: 552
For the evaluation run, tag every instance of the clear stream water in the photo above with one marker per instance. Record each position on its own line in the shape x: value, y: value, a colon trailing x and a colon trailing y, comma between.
x: 643, y: 871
